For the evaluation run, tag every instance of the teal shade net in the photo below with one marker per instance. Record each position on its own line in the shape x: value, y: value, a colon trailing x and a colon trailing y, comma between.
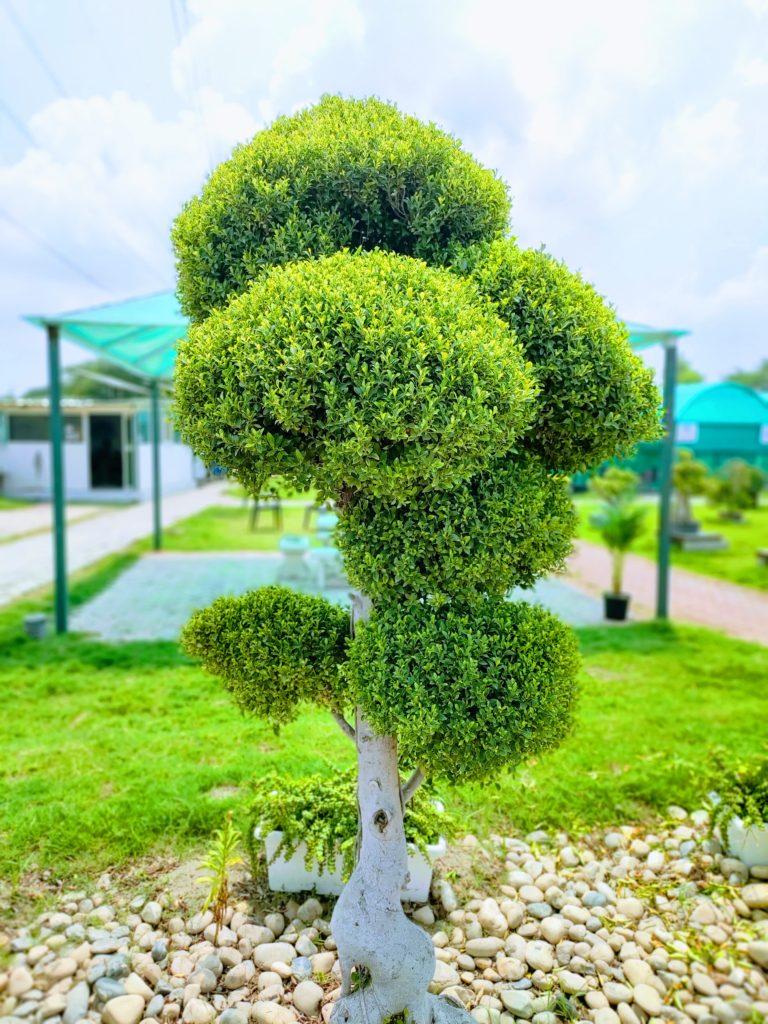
x: 142, y: 334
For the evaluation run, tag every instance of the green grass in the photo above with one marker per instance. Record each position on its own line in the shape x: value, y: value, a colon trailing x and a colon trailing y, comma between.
x: 737, y: 565
x: 221, y: 528
x: 11, y: 503
x: 111, y: 752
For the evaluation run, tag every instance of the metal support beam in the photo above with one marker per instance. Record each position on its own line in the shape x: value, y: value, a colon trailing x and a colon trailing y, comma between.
x: 56, y: 432
x: 157, y: 524
x: 665, y: 488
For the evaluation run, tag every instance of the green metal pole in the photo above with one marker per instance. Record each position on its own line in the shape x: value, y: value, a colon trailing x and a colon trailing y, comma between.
x: 665, y: 491
x: 57, y: 479
x: 157, y: 531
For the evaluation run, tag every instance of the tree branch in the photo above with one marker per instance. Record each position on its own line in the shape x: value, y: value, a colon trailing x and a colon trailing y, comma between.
x: 344, y: 725
x: 416, y: 780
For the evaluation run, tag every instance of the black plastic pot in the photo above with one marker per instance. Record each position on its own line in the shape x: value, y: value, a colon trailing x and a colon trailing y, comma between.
x: 616, y: 606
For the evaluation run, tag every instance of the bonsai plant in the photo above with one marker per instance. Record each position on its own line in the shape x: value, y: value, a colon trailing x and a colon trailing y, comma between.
x: 740, y: 811
x: 689, y: 480
x: 362, y: 324
x: 615, y: 485
x: 309, y: 828
x: 736, y: 488
x: 620, y: 524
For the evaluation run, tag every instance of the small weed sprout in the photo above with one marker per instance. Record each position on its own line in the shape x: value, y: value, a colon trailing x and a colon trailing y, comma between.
x: 222, y: 856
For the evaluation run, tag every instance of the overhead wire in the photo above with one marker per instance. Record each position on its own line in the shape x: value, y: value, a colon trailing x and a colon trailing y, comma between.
x: 52, y: 249
x: 182, y: 27
x: 24, y: 130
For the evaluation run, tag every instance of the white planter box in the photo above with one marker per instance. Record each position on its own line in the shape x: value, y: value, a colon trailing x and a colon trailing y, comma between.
x: 749, y: 845
x: 291, y: 876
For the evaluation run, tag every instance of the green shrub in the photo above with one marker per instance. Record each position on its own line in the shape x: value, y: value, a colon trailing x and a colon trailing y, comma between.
x: 690, y: 479
x: 500, y: 529
x: 321, y: 811
x: 615, y: 485
x: 737, y: 486
x: 467, y: 692
x: 317, y: 374
x: 274, y: 649
x: 597, y: 397
x: 341, y: 174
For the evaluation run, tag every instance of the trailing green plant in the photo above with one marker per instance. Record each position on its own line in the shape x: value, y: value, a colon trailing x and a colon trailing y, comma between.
x: 320, y: 811
x: 620, y: 524
x: 219, y: 860
x: 614, y: 485
x: 742, y: 792
x: 690, y: 479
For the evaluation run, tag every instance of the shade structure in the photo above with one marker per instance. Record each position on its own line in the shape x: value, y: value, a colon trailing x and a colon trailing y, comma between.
x: 142, y: 335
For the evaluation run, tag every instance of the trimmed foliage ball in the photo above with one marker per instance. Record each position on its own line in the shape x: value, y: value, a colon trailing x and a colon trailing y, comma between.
x: 363, y: 372
x: 500, y: 529
x: 467, y: 692
x: 274, y: 649
x: 342, y: 174
x: 597, y: 397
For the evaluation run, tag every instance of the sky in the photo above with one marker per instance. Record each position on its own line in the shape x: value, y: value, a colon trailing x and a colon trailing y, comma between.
x: 633, y: 136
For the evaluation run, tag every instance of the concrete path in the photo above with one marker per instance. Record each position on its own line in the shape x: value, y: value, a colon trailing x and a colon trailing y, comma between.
x: 154, y: 597
x: 740, y: 612
x: 18, y: 522
x: 27, y: 564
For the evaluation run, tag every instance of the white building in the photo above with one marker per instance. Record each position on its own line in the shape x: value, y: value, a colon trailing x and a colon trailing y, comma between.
x: 107, y: 451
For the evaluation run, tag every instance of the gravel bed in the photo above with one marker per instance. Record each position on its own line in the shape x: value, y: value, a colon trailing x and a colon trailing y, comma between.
x: 624, y: 927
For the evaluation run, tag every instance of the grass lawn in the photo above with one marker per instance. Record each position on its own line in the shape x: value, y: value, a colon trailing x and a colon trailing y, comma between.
x: 111, y: 752
x: 221, y: 528
x: 737, y: 565
x: 11, y: 503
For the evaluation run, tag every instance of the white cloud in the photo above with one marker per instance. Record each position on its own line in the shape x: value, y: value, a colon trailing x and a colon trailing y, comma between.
x: 701, y: 140
x: 753, y: 71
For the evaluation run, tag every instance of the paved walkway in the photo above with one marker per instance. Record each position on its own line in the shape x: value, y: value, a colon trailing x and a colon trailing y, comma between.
x: 738, y: 611
x: 17, y: 522
x: 27, y: 564
x: 154, y: 597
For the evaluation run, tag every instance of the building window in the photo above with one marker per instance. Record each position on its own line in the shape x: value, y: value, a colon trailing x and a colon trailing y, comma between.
x: 35, y: 428
x: 687, y: 433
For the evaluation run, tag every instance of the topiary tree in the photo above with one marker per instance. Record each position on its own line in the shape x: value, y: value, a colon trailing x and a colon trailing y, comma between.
x: 690, y: 479
x: 362, y: 326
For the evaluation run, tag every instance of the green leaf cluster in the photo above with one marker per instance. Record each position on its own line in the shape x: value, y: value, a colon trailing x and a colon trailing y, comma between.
x: 737, y: 486
x: 363, y: 372
x: 500, y: 529
x: 615, y: 485
x: 597, y: 398
x: 274, y: 649
x: 742, y: 792
x: 469, y: 692
x: 344, y: 173
x: 321, y: 811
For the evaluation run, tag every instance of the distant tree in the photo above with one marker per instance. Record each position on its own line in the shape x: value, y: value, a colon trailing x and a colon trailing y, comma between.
x: 757, y: 378
x: 689, y: 479
x: 615, y: 485
x: 686, y: 373
x: 95, y: 379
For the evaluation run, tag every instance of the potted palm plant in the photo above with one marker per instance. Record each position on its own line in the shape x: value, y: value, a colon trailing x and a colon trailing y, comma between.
x: 620, y: 524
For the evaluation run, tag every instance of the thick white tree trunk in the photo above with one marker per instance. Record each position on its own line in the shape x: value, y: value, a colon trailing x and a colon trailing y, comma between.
x: 392, y: 959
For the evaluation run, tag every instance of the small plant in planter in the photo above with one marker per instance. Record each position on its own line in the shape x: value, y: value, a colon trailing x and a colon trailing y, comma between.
x: 310, y: 829
x: 740, y: 810
x: 689, y: 480
x: 620, y: 524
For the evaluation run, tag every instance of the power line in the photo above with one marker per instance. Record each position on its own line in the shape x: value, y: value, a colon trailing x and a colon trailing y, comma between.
x: 181, y: 27
x: 29, y: 39
x: 19, y: 124
x: 57, y: 253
